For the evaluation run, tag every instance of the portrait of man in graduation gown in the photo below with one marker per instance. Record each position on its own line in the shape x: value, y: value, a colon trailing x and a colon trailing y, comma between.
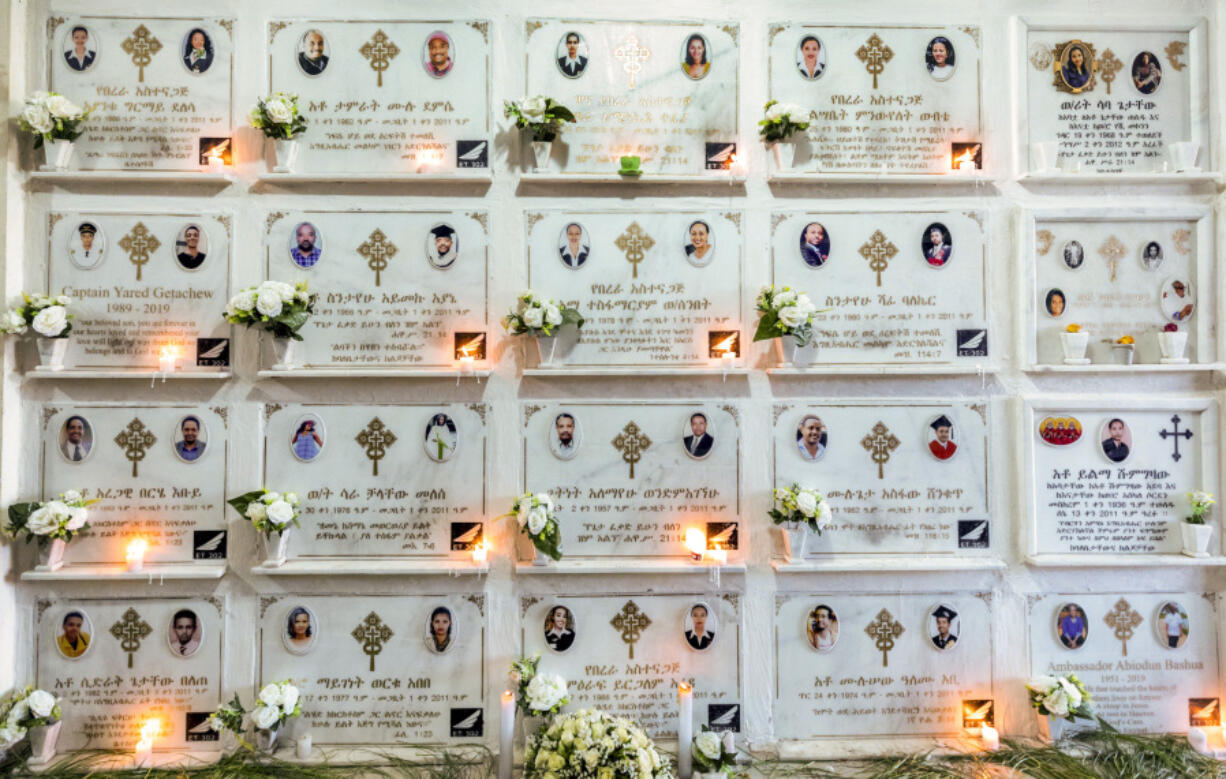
x: 944, y: 638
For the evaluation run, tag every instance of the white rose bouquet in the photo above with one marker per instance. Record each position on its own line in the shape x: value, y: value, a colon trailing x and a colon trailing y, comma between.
x: 522, y: 674
x: 539, y: 316
x: 1200, y: 502
x: 1061, y: 696
x: 50, y: 116
x: 279, y: 308
x: 534, y: 512
x: 797, y: 504
x: 590, y: 744
x: 277, y: 116
x: 713, y: 754
x: 784, y: 312
x: 781, y: 121
x: 276, y: 703
x: 542, y: 116
x: 269, y: 512
x: 25, y: 708
x: 54, y: 519
x: 47, y: 315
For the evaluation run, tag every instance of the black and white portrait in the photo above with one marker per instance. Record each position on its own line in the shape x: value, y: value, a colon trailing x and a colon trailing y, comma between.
x: 935, y: 243
x: 944, y: 627
x: 442, y: 246
x: 565, y: 436
x: 701, y: 626
x: 301, y: 629
x: 80, y: 48
x: 184, y: 634
x: 572, y: 54
x: 810, y: 58
x: 441, y: 630
x: 197, y: 51
x: 87, y: 246
x: 1074, y: 255
x: 190, y: 439
x: 698, y: 439
x: 313, y: 53
x: 1146, y: 73
x: 191, y: 246
x: 306, y: 245
x: 815, y: 245
x: 939, y: 58
x: 76, y: 439
x: 574, y: 245
x: 559, y: 628
x: 1151, y: 256
x: 441, y: 439
x: 306, y: 440
x: 699, y: 247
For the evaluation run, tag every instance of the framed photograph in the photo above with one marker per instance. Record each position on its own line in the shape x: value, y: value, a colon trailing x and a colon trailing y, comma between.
x: 700, y: 626
x: 1072, y: 626
x: 75, y: 634
x: 301, y: 630
x: 308, y: 438
x: 944, y: 627
x: 822, y: 628
x: 441, y: 630
x: 811, y: 438
x: 441, y: 438
x: 565, y: 436
x: 185, y: 633
x: 80, y: 47
x: 699, y: 244
x: 190, y: 439
x: 559, y: 628
x: 191, y: 246
x: 313, y: 53
x: 698, y: 438
x: 76, y: 439
x: 87, y: 246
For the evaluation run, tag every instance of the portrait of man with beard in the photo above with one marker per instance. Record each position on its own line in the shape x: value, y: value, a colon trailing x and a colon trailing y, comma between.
x: 564, y: 443
x: 308, y: 247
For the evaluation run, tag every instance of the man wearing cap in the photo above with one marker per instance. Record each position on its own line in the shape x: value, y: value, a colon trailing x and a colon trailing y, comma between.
x: 944, y: 639
x: 943, y: 447
x: 86, y: 256
x: 438, y: 47
x: 445, y: 249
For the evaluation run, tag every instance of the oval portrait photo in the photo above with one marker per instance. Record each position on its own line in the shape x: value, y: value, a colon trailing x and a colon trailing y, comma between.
x: 184, y: 633
x: 190, y: 438
x: 572, y: 54
x: 74, y: 634
x: 573, y: 245
x: 810, y: 58
x: 822, y: 628
x: 438, y: 54
x: 197, y: 51
x: 698, y: 437
x: 1178, y: 299
x: 941, y: 438
x: 307, y: 439
x: 1054, y: 303
x: 86, y: 246
x: 1151, y: 256
x: 944, y: 627
x: 1076, y: 67
x: 811, y: 438
x: 191, y: 246
x: 80, y: 48
x: 1074, y: 255
x: 939, y: 58
x: 441, y: 439
x: 1059, y: 431
x: 1172, y: 624
x: 1072, y: 627
x: 565, y: 436
x: 936, y: 245
x: 301, y: 629
x: 559, y: 628
x: 814, y: 245
x: 313, y: 53
x: 1146, y: 73
x: 442, y: 246
x: 696, y: 58
x: 699, y: 247
x: 700, y: 626
x: 1116, y: 438
x: 440, y: 630
x: 76, y: 439
x: 306, y: 245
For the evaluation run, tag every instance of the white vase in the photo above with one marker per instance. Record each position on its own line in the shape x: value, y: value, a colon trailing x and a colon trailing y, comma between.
x: 546, y: 348
x: 1173, y: 345
x: 266, y: 740
x: 797, y: 535
x: 286, y: 153
x: 57, y: 154
x: 540, y: 152
x: 540, y: 558
x: 276, y: 548
x: 51, y: 352
x: 531, y: 725
x: 1123, y: 353
x: 283, y: 354
x: 51, y: 557
x: 1183, y: 156
x: 1196, y: 539
x: 794, y: 356
x: 1074, y: 346
x: 1052, y: 729
x: 42, y: 743
x: 785, y: 154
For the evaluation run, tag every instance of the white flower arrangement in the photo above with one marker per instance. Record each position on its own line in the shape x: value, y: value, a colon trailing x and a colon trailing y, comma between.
x: 798, y: 504
x: 546, y: 694
x: 534, y: 513
x: 1060, y: 696
x: 52, y: 117
x: 25, y: 708
x: 590, y: 744
x: 277, y: 116
x: 534, y: 315
x: 784, y: 312
x: 43, y: 522
x: 542, y: 116
x: 781, y: 121
x: 276, y: 703
x: 713, y: 754
x: 47, y: 315
x: 269, y: 512
x: 229, y: 716
x: 1200, y: 502
x: 279, y: 308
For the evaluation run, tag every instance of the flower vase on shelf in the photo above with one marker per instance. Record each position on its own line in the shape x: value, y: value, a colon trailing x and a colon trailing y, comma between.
x: 1123, y: 353
x: 265, y: 740
x: 51, y: 352
x: 546, y: 346
x: 284, y: 353
x: 540, y: 558
x: 1173, y: 345
x: 1074, y: 346
x: 785, y: 154
x: 42, y: 742
x: 51, y: 557
x: 797, y: 536
x: 57, y: 154
x: 276, y: 548
x: 540, y: 153
x: 285, y: 151
x: 792, y: 355
x: 1196, y: 539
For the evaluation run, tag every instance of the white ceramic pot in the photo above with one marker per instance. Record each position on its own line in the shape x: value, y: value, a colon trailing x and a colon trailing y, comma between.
x: 1074, y: 346
x: 1173, y: 345
x: 797, y: 535
x: 51, y: 556
x: 1122, y: 353
x: 57, y: 154
x: 540, y: 153
x: 284, y: 353
x: 791, y: 355
x: 51, y: 352
x: 1045, y: 156
x: 1196, y: 539
x: 42, y: 743
x: 266, y: 740
x: 546, y: 349
x: 276, y: 548
x: 302, y: 746
x: 540, y: 558
x: 1052, y: 729
x: 785, y: 154
x: 1183, y: 156
x: 286, y: 153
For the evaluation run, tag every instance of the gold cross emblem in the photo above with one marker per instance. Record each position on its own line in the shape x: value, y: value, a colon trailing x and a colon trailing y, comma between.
x: 1108, y: 66
x: 632, y: 57
x: 134, y: 440
x: 139, y: 244
x: 1112, y: 250
x: 1123, y: 619
x: 631, y: 623
x: 1174, y: 50
x: 884, y: 630
x: 377, y: 250
x: 631, y: 443
x: 376, y: 438
x: 372, y: 634
x: 874, y: 54
x: 380, y: 51
x: 130, y: 629
x: 634, y: 243
x: 880, y: 442
x: 142, y: 46
x: 878, y: 251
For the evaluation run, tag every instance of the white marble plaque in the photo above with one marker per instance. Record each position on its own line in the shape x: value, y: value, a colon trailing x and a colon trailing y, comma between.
x: 1112, y: 100
x: 385, y: 96
x: 626, y: 654
x: 394, y: 286
x: 881, y: 98
x: 1150, y: 660
x: 652, y: 286
x: 157, y: 87
x: 902, y: 287
x: 1127, y: 275
x: 139, y: 283
x: 895, y: 487
x: 160, y: 471
x: 115, y: 664
x: 664, y: 91
x: 636, y: 475
x: 392, y: 480
x: 380, y: 670
x: 880, y: 664
x: 1114, y: 478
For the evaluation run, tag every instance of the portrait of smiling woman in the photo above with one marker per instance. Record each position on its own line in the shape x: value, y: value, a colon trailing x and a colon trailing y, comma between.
x: 695, y: 61
x: 698, y: 249
x: 440, y: 632
x: 301, y: 628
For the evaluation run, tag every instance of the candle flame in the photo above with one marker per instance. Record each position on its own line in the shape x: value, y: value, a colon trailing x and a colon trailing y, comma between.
x: 967, y: 158
x: 695, y: 541
x: 684, y: 689
x: 148, y: 732
x: 135, y: 551
x: 508, y: 696
x: 170, y: 351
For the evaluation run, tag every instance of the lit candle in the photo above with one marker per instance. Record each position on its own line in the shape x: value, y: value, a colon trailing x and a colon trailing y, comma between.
x: 302, y: 746
x: 135, y: 554
x: 719, y: 555
x: 480, y: 553
x: 167, y: 359
x: 685, y: 729
x: 216, y: 164
x: 144, y: 747
x: 728, y: 359
x: 990, y: 738
x: 466, y: 364
x: 966, y: 166
x: 696, y: 542
x: 506, y: 733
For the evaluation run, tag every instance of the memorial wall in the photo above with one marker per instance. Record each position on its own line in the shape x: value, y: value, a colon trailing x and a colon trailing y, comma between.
x: 1006, y: 218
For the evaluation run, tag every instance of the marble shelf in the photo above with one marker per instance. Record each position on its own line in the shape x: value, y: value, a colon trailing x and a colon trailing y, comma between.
x: 1197, y: 177
x: 153, y: 573
x: 938, y: 179
x: 372, y: 566
x: 889, y: 564
x: 107, y: 761
x: 373, y: 373
x: 1122, y: 561
x: 887, y: 370
x: 624, y: 566
x: 694, y: 180
x: 698, y: 370
x: 848, y: 748
x: 397, y: 177
x: 1149, y: 367
x: 60, y: 177
x: 43, y: 374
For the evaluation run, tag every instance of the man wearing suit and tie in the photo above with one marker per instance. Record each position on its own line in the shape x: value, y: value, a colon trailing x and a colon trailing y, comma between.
x: 699, y: 443
x: 699, y: 637
x: 573, y: 63
x: 575, y: 252
x: 75, y: 447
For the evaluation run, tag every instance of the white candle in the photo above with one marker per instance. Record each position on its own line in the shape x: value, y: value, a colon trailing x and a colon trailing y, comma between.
x: 967, y: 166
x: 303, y: 746
x: 480, y: 553
x: 990, y: 738
x: 144, y: 754
x: 135, y: 555
x: 728, y: 359
x: 466, y: 364
x: 719, y: 555
x: 217, y: 165
x: 506, y: 734
x: 685, y: 729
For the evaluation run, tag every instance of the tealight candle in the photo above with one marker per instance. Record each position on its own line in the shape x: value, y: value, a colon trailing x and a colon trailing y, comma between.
x: 167, y: 359
x: 728, y: 359
x: 466, y: 363
x: 719, y: 555
x: 217, y: 164
x: 480, y: 553
x: 135, y: 554
x: 302, y: 746
x: 967, y: 166
x: 696, y: 542
x: 990, y: 738
x: 144, y: 747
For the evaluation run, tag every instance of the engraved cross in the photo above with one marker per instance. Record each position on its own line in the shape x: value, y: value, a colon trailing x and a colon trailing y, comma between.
x: 631, y: 623
x: 372, y: 634
x: 380, y: 51
x: 878, y: 251
x: 377, y: 250
x: 880, y: 442
x: 139, y: 244
x: 141, y: 45
x: 884, y: 630
x: 1108, y: 66
x: 1112, y: 250
x: 130, y: 629
x: 134, y: 440
x: 376, y: 438
x: 631, y: 443
x: 632, y: 57
x: 874, y: 54
x: 1123, y: 619
x: 1176, y: 434
x: 634, y: 243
